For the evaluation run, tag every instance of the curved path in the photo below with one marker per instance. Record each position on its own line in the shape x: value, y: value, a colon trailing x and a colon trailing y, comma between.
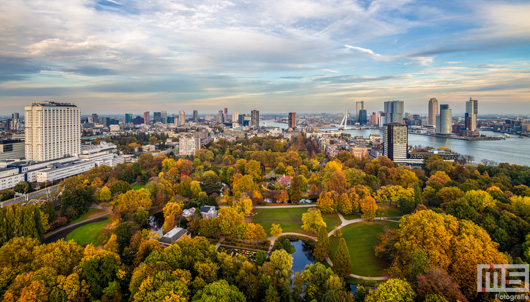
x: 64, y: 231
x: 344, y: 223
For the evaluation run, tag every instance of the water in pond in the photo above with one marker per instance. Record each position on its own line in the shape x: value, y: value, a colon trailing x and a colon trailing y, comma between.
x: 302, y: 256
x: 156, y: 221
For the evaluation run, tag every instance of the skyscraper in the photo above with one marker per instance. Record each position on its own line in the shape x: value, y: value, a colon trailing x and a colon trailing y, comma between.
x: 53, y: 130
x: 374, y: 119
x: 164, y: 117
x: 128, y: 118
x: 471, y: 114
x: 157, y: 117
x: 254, y: 119
x: 433, y: 112
x: 292, y: 120
x: 195, y: 116
x: 182, y: 117
x: 235, y: 117
x: 363, y: 117
x: 146, y: 117
x: 395, y: 141
x: 226, y: 115
x: 358, y: 107
x: 444, y: 120
x: 394, y: 112
x: 95, y: 118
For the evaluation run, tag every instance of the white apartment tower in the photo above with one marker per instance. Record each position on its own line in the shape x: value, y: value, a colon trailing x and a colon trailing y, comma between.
x: 433, y: 112
x: 53, y: 130
x: 182, y: 117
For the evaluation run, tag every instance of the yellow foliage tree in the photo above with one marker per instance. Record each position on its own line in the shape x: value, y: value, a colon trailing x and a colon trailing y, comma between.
x: 130, y: 201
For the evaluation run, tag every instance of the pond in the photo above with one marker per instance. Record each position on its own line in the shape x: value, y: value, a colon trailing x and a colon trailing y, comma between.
x: 302, y: 256
x: 156, y: 221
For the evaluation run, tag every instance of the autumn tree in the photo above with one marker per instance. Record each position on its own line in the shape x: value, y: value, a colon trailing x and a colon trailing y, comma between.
x: 130, y: 201
x: 369, y: 208
x: 328, y: 202
x: 243, y: 205
x: 283, y: 196
x: 219, y: 291
x: 313, y: 220
x: 276, y: 230
x: 244, y: 184
x: 296, y: 190
x: 105, y: 194
x: 392, y: 290
x: 254, y: 232
x: 171, y: 211
x: 342, y: 261
x: 322, y: 248
x: 229, y: 222
x: 337, y: 182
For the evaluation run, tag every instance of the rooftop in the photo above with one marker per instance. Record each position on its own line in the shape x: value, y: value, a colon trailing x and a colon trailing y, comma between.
x: 51, y: 104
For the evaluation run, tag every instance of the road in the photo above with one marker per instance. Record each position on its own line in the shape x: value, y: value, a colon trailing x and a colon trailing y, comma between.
x: 20, y: 199
x: 64, y: 231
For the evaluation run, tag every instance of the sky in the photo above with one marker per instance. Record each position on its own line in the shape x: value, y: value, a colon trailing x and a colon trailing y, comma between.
x: 116, y: 56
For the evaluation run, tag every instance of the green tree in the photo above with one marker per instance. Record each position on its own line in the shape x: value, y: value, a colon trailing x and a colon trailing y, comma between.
x: 22, y: 187
x: 219, y: 291
x: 342, y: 261
x: 322, y: 248
x: 141, y: 216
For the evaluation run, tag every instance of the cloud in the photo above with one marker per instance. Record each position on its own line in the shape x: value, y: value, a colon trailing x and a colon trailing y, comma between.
x: 363, y: 50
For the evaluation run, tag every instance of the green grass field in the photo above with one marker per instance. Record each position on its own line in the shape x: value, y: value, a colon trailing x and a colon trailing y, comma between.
x: 138, y: 186
x: 290, y: 219
x: 390, y: 211
x: 361, y: 239
x: 90, y: 211
x: 87, y: 234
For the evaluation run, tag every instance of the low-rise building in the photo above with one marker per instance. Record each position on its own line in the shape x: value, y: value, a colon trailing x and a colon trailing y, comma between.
x: 9, y: 178
x: 12, y: 149
x: 174, y: 235
x: 208, y: 212
x: 188, y: 146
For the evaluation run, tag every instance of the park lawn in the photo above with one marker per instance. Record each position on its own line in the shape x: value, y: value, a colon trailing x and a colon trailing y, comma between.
x: 138, y: 186
x: 290, y: 219
x: 361, y: 238
x: 91, y: 212
x: 87, y: 234
x: 390, y: 211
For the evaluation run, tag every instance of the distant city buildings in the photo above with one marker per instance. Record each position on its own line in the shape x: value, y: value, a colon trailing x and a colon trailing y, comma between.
x: 433, y: 112
x: 189, y: 145
x: 444, y: 120
x: 157, y: 117
x: 471, y: 115
x: 146, y: 117
x: 53, y: 130
x: 164, y: 117
x: 394, y: 112
x: 358, y: 107
x: 395, y: 141
x: 182, y: 117
x: 254, y: 119
x: 292, y: 120
x: 195, y: 116
x: 128, y: 118
x: 362, y: 117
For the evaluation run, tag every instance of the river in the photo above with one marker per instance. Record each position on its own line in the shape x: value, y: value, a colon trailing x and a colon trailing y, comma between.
x: 513, y: 150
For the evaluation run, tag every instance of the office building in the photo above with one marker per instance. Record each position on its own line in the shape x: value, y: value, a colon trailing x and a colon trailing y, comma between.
x: 358, y: 107
x: 138, y: 120
x: 395, y: 141
x: 182, y: 117
x: 374, y: 119
x: 254, y: 119
x: 170, y: 119
x: 235, y: 117
x: 292, y: 120
x: 128, y: 118
x: 146, y: 117
x: 433, y: 112
x: 157, y: 117
x: 53, y: 130
x: 444, y: 120
x: 189, y: 145
x: 195, y: 116
x: 95, y: 118
x: 471, y: 115
x: 363, y: 117
x: 164, y: 117
x: 225, y: 115
x: 394, y: 112
x: 12, y: 149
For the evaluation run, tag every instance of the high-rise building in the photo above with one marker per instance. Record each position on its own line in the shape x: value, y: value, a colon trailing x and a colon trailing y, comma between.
x: 394, y: 112
x: 363, y: 117
x: 146, y: 117
x: 444, y: 120
x: 395, y: 141
x: 182, y: 117
x: 254, y: 119
x: 53, y: 130
x: 171, y: 119
x: 433, y: 112
x: 374, y: 119
x: 138, y: 120
x: 128, y: 118
x: 292, y: 120
x: 235, y: 117
x: 358, y: 107
x: 157, y: 117
x: 471, y: 115
x: 95, y: 118
x: 164, y: 117
x: 226, y: 115
x: 15, y: 116
x: 195, y: 116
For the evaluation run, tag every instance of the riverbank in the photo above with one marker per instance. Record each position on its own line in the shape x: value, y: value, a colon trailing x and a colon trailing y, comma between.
x: 464, y: 138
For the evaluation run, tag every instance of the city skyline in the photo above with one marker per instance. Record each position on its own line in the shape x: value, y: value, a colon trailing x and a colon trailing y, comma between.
x: 112, y: 58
